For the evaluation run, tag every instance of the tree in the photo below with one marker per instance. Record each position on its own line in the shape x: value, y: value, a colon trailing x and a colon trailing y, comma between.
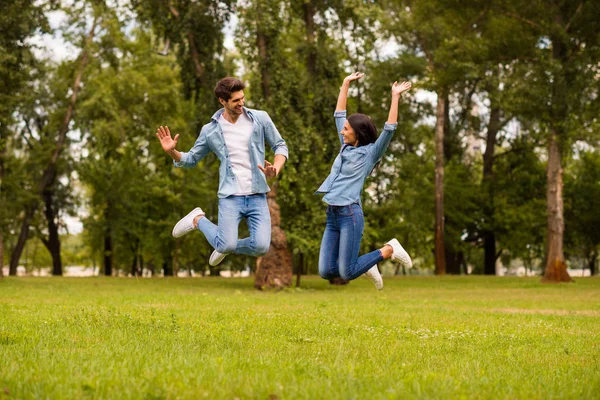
x: 582, y: 199
x: 128, y: 179
x: 19, y: 22
x: 274, y: 269
x: 193, y: 32
x: 436, y: 32
x: 52, y: 131
x: 562, y: 88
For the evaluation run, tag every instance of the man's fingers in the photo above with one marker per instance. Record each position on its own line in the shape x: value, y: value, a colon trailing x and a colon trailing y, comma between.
x: 176, y: 138
x: 261, y: 168
x: 167, y: 130
x: 268, y: 164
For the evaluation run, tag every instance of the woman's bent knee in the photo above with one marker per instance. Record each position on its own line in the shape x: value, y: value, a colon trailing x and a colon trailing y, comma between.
x: 345, y: 275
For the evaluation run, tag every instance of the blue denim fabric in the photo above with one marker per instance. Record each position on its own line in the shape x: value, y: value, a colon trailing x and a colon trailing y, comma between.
x: 351, y: 167
x: 341, y: 243
x: 211, y: 139
x: 224, y: 237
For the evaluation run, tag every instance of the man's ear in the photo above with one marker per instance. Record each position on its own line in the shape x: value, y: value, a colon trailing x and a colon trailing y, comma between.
x: 223, y: 102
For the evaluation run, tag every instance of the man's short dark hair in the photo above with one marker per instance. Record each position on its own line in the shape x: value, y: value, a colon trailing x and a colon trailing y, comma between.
x: 226, y: 86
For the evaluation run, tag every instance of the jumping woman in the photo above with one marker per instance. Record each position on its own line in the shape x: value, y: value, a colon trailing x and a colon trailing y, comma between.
x: 360, y: 152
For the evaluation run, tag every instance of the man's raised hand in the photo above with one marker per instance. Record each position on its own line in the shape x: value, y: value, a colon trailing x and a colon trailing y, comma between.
x: 398, y: 89
x: 269, y: 170
x: 164, y: 135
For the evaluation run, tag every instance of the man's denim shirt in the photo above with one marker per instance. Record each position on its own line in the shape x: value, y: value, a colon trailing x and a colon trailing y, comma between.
x: 211, y: 139
x: 351, y: 167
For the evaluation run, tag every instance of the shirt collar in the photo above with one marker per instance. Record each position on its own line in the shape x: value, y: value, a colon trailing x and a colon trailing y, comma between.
x: 220, y: 112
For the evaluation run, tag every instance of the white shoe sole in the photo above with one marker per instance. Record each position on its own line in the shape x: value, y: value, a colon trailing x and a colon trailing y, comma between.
x: 216, y: 258
x: 375, y: 277
x: 186, y: 224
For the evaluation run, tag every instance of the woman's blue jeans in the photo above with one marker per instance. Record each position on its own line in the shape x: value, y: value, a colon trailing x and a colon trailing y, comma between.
x: 224, y: 237
x: 341, y: 243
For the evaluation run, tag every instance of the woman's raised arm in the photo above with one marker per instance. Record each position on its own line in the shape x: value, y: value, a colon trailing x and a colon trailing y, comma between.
x: 397, y: 90
x: 341, y: 103
x: 383, y: 141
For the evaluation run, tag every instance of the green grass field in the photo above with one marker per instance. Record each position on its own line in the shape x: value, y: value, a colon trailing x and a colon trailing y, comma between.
x: 421, y: 337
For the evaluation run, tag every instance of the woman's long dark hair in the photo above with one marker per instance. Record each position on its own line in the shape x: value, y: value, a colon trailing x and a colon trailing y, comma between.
x: 364, y: 129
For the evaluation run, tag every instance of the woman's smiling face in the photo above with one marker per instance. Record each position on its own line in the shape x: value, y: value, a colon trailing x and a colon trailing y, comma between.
x: 349, y: 135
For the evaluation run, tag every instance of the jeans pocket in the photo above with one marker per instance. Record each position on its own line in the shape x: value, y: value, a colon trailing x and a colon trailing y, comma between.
x: 346, y: 211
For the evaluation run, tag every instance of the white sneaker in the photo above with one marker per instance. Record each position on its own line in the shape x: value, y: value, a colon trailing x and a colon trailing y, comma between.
x: 375, y: 277
x: 216, y: 258
x: 400, y: 255
x: 186, y: 224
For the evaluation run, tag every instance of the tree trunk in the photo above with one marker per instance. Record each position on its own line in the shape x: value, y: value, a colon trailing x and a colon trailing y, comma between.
x: 151, y: 268
x: 1, y: 254
x: 274, y: 269
x: 489, y: 237
x: 135, y: 249
x: 489, y: 250
x: 108, y: 253
x: 22, y: 240
x: 309, y: 23
x: 168, y: 267
x: 591, y: 262
x: 556, y: 269
x: 454, y: 260
x: 299, y: 269
x: 175, y: 258
x: 440, y: 260
x: 53, y: 241
x: 2, y: 155
x: 134, y: 262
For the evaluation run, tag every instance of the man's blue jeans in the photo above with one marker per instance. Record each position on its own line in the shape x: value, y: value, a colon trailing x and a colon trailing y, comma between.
x: 341, y: 244
x: 224, y: 237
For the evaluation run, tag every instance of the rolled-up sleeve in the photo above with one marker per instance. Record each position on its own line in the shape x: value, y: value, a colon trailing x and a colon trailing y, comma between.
x: 273, y: 137
x: 382, y: 142
x: 340, y: 120
x: 197, y: 152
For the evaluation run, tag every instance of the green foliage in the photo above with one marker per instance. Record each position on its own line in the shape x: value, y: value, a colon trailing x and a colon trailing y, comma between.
x: 497, y: 55
x: 130, y: 182
x: 19, y: 22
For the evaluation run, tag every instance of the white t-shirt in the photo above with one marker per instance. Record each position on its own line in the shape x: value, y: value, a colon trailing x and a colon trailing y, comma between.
x: 237, y: 139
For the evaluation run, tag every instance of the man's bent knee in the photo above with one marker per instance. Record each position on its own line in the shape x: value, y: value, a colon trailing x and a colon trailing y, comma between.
x: 262, y: 249
x: 226, y: 248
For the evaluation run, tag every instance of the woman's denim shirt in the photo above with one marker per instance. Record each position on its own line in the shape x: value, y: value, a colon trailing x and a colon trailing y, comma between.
x: 352, y: 166
x: 211, y: 139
